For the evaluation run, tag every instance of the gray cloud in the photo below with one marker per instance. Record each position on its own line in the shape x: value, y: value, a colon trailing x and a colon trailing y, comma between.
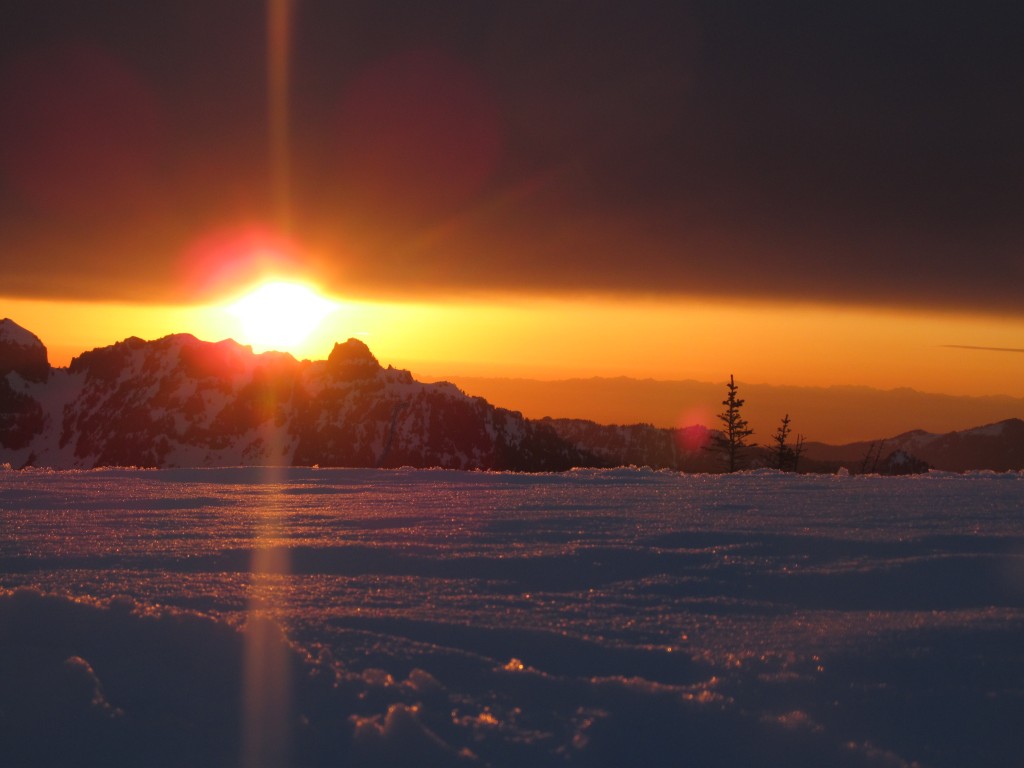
x: 866, y: 154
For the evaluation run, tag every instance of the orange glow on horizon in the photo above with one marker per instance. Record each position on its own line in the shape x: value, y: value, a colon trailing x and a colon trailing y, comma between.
x: 553, y: 339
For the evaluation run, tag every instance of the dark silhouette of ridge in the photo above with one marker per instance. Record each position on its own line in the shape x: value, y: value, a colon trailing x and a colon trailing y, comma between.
x: 179, y: 401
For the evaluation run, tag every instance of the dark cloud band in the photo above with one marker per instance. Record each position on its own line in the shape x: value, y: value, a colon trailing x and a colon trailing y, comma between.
x: 814, y: 152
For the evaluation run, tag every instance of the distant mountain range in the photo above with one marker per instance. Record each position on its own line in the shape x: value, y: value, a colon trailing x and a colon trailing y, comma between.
x: 998, y: 446
x: 179, y: 401
x: 835, y: 414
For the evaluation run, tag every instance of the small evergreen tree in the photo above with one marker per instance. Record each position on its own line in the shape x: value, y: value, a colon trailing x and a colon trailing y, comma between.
x: 798, y: 449
x: 781, y: 453
x: 733, y: 438
x: 871, y: 458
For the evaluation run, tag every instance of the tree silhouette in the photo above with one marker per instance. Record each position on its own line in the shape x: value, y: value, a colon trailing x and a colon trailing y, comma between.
x: 871, y: 457
x: 732, y: 440
x: 785, y: 455
x: 781, y: 453
x: 797, y: 451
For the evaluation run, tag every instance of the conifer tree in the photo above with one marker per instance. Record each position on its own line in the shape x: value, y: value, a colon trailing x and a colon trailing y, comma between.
x: 736, y: 430
x: 798, y: 449
x: 782, y: 455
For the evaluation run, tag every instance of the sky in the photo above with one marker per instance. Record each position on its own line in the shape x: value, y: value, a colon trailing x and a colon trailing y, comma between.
x: 794, y: 192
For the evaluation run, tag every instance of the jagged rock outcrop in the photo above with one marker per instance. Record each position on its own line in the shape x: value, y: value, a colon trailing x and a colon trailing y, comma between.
x: 23, y: 362
x: 179, y: 401
x: 352, y: 360
x: 22, y: 352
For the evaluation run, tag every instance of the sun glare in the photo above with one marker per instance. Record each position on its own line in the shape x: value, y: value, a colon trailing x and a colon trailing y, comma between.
x: 280, y: 315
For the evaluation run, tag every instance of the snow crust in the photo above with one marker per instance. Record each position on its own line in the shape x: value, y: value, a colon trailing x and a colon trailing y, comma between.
x: 589, y: 618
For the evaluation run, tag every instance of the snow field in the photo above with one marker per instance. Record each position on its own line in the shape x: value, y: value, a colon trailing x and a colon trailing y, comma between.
x: 593, y: 617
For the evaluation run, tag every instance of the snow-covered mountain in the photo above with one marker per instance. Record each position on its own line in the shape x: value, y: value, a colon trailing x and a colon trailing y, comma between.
x: 998, y: 446
x: 179, y: 401
x: 23, y: 366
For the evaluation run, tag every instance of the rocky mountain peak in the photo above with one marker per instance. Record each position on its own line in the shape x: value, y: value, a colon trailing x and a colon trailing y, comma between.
x: 22, y: 351
x: 353, y: 360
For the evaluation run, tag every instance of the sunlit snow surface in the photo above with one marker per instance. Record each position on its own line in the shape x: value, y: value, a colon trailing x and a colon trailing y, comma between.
x: 614, y: 618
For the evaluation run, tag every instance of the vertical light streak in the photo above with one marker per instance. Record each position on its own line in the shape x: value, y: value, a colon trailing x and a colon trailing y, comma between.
x: 267, y: 688
x: 267, y: 683
x: 266, y: 704
x: 279, y: 41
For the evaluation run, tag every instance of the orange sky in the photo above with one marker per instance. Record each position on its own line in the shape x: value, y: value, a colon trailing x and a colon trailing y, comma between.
x: 548, y: 338
x: 673, y: 191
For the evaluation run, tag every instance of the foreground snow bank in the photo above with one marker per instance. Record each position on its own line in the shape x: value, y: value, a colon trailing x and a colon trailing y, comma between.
x: 592, y: 618
x: 118, y: 685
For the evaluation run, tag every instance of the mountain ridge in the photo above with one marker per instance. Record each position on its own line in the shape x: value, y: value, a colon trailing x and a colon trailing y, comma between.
x: 179, y: 401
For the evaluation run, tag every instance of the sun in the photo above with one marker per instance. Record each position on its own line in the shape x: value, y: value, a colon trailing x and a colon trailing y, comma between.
x: 280, y: 315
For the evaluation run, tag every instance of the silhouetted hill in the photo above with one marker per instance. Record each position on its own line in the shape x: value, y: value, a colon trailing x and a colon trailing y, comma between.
x: 179, y: 401
x: 998, y: 447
